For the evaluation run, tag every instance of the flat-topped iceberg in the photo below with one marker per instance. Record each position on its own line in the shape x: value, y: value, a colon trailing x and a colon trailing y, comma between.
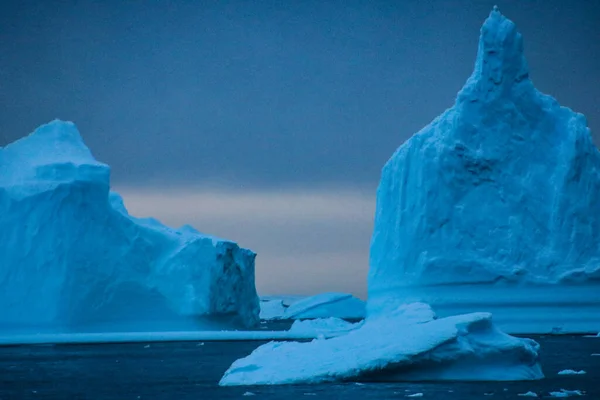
x: 409, y: 344
x: 72, y: 259
x: 495, y: 205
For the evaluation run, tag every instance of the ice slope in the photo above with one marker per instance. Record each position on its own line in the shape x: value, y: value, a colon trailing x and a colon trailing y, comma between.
x: 72, y: 259
x: 407, y: 345
x: 498, y: 194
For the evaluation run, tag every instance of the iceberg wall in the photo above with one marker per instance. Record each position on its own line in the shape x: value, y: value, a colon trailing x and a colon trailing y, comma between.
x: 73, y: 259
x: 495, y: 205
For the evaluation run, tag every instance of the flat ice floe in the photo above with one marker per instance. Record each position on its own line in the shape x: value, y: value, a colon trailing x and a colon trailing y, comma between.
x: 408, y: 344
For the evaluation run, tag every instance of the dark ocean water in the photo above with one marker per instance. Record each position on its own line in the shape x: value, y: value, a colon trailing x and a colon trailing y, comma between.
x: 191, y: 370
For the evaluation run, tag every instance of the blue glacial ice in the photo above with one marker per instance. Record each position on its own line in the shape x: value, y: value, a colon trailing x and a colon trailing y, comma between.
x: 73, y: 260
x: 495, y: 205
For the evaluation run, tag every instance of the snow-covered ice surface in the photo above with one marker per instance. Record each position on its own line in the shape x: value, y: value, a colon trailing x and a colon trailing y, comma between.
x: 494, y: 203
x: 322, y: 305
x: 406, y: 345
x: 73, y: 260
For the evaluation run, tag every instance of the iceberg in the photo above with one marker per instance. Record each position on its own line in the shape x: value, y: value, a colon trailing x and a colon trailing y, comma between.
x: 271, y: 309
x: 322, y: 305
x: 409, y: 345
x: 322, y: 327
x: 571, y: 372
x: 73, y: 260
x: 495, y: 205
x: 325, y: 305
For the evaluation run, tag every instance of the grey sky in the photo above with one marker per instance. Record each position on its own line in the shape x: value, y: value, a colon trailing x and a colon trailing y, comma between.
x: 272, y: 99
x: 267, y: 92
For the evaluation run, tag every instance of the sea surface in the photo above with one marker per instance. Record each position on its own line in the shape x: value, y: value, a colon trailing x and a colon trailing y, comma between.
x: 191, y: 370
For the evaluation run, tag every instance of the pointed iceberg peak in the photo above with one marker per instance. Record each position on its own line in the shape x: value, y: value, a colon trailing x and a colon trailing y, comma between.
x: 500, y: 59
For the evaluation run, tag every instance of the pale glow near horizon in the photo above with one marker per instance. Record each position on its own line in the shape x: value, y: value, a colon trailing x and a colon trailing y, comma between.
x: 307, y: 241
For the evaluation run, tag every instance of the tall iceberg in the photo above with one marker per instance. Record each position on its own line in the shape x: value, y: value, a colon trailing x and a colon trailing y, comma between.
x: 495, y: 205
x: 72, y: 259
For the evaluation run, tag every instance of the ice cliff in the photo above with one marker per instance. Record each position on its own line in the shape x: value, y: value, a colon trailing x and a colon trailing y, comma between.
x: 73, y: 259
x: 495, y: 205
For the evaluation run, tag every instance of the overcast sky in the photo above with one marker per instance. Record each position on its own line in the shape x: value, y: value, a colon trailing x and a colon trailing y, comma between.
x: 269, y: 101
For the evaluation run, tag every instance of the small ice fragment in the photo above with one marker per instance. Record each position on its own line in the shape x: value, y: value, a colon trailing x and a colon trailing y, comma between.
x: 566, y: 393
x: 248, y: 394
x: 359, y: 384
x: 147, y: 346
x: 595, y: 354
x: 415, y: 395
x: 200, y: 344
x: 571, y: 372
x: 528, y: 394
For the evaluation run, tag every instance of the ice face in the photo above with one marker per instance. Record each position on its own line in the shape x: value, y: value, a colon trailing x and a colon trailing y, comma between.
x: 73, y: 259
x: 501, y: 189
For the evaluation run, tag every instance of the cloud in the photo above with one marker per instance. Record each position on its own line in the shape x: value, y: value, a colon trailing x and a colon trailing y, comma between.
x: 307, y: 241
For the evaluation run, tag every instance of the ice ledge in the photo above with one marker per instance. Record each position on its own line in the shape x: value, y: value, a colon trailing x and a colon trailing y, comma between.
x: 516, y: 310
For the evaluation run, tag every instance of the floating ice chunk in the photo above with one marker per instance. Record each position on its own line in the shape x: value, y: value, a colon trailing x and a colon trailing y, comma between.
x: 271, y: 309
x: 327, y: 327
x: 567, y: 393
x: 465, y: 347
x: 248, y: 394
x: 528, y: 394
x: 415, y: 395
x: 571, y: 372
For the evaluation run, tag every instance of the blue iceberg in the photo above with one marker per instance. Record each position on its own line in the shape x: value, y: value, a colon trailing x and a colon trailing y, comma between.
x: 73, y: 260
x: 495, y: 205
